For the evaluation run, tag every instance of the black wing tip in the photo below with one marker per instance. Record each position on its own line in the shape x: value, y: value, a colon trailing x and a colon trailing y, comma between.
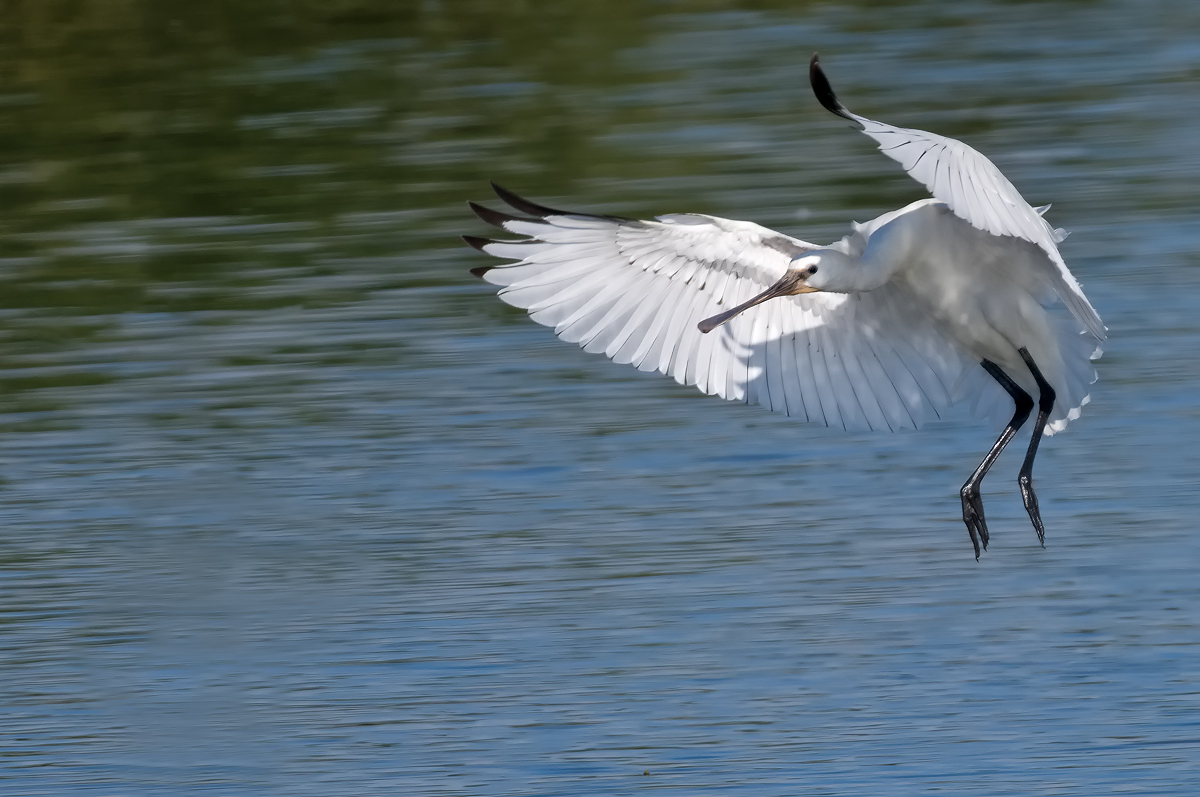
x: 524, y: 205
x: 479, y: 271
x: 824, y: 91
x: 541, y: 211
x: 496, y: 218
x: 475, y: 242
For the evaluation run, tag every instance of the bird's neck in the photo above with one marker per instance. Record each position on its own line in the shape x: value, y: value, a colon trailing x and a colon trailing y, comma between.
x: 845, y: 273
x: 886, y: 251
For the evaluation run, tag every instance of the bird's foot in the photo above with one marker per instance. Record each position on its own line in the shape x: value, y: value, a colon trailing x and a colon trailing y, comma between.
x: 1025, y: 482
x: 972, y: 505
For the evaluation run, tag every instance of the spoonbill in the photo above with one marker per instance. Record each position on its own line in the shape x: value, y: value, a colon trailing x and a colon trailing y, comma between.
x: 947, y: 300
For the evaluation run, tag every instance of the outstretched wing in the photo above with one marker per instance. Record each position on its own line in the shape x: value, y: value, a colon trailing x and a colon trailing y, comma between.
x: 635, y: 291
x: 972, y: 187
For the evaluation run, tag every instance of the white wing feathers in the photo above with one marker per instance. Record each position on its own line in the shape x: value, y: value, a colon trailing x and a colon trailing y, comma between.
x: 973, y: 188
x: 635, y: 291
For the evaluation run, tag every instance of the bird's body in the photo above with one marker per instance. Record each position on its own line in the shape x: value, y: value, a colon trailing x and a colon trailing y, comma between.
x: 983, y: 292
x: 946, y: 300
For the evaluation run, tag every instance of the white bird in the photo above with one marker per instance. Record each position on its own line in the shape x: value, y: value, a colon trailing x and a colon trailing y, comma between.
x: 947, y: 300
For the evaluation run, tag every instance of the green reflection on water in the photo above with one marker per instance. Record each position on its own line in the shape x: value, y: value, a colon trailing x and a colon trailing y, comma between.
x: 215, y: 165
x: 226, y: 158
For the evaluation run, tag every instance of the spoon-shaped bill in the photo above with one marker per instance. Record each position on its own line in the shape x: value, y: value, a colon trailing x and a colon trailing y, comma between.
x: 789, y: 284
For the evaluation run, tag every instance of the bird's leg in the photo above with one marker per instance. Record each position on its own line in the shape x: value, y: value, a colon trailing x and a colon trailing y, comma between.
x: 972, y: 504
x: 1025, y: 479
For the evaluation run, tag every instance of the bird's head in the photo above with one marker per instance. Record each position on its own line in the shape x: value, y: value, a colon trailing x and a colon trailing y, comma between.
x: 794, y: 281
x: 833, y: 271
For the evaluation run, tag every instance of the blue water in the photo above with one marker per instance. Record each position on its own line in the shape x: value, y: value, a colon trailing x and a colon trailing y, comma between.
x: 292, y: 505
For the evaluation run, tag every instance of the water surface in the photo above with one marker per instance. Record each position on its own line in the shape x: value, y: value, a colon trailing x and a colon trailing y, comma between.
x: 293, y: 505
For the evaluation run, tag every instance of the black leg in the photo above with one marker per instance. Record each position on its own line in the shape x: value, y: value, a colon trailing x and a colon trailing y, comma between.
x: 1025, y: 479
x: 972, y: 504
